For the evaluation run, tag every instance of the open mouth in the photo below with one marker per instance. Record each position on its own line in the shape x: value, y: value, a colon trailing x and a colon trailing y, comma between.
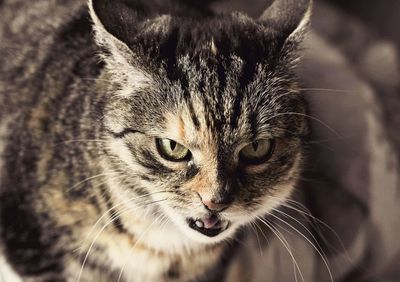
x: 209, y: 226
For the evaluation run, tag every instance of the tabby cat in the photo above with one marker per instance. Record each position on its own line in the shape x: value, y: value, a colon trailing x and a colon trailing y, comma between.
x: 140, y: 140
x: 143, y: 166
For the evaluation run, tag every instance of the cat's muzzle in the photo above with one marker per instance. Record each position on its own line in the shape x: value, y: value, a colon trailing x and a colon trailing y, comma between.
x: 210, y: 225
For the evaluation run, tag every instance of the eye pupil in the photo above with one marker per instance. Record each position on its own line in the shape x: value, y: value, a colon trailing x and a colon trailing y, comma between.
x: 255, y: 146
x: 172, y: 145
x: 172, y: 150
x: 257, y: 152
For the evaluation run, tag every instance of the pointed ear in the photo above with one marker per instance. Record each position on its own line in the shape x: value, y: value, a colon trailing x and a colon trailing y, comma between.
x: 115, y: 18
x: 289, y: 18
x: 114, y: 22
x: 110, y: 19
x: 129, y: 28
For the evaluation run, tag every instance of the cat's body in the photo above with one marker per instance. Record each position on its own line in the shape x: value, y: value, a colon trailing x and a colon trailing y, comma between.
x: 66, y: 212
x: 56, y: 104
x: 54, y: 108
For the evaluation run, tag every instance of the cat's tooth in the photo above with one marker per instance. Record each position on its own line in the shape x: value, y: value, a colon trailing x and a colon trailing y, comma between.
x: 199, y: 224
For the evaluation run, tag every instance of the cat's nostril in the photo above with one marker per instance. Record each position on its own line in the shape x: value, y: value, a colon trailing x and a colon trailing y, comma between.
x: 216, y: 205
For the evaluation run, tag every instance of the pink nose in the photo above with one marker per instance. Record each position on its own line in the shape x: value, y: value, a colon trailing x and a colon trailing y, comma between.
x: 215, y: 205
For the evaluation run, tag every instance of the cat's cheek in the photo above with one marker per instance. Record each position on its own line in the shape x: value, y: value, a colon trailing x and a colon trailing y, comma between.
x: 278, y: 197
x: 119, y: 148
x: 280, y: 192
x: 275, y: 189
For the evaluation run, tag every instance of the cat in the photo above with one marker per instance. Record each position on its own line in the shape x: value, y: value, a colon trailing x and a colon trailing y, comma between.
x: 145, y: 164
x: 144, y: 140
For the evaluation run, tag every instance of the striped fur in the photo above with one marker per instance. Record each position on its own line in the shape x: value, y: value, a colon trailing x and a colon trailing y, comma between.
x: 85, y: 195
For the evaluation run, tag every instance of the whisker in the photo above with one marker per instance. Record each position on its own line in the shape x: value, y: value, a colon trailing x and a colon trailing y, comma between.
x: 262, y: 232
x: 321, y: 253
x: 93, y: 191
x: 258, y: 238
x: 82, y: 140
x: 301, y: 224
x: 115, y: 217
x: 273, y: 101
x: 91, y: 178
x: 308, y: 116
x: 116, y: 206
x: 285, y: 243
x: 96, y: 79
x: 304, y: 210
x: 137, y: 241
x: 344, y: 91
x: 327, y: 140
x: 315, y: 221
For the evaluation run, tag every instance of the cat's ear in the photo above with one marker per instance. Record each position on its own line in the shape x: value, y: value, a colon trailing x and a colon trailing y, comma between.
x: 116, y: 23
x: 112, y: 21
x: 289, y: 19
x: 137, y: 23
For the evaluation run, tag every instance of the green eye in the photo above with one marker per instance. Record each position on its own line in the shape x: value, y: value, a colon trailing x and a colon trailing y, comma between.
x: 257, y: 152
x: 172, y: 151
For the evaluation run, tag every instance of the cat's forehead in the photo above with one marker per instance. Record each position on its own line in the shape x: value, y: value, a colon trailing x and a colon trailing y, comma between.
x: 206, y: 101
x: 223, y: 103
x: 198, y: 130
x: 216, y: 77
x: 165, y: 38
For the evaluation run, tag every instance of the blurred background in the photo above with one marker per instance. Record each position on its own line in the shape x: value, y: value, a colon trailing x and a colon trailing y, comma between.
x: 383, y: 17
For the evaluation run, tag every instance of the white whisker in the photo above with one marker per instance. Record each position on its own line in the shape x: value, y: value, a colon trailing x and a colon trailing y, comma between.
x: 113, y: 218
x: 285, y: 244
x: 116, y: 206
x: 91, y: 178
x: 344, y: 91
x: 258, y: 238
x: 320, y: 253
x: 83, y: 140
x: 308, y: 116
x: 307, y: 215
x: 137, y: 241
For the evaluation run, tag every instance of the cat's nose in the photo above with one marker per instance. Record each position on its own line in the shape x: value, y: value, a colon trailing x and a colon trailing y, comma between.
x: 215, y: 206
x: 217, y: 203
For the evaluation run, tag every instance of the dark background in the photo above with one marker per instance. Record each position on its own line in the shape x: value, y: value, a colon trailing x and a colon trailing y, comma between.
x: 382, y: 16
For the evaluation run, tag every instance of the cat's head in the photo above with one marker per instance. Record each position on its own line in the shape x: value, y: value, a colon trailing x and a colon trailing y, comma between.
x: 205, y: 107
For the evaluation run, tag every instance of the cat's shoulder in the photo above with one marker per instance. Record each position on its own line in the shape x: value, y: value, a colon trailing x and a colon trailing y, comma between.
x: 41, y: 40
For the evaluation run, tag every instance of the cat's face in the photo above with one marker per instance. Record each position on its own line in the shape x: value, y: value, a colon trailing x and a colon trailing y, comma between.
x: 204, y: 115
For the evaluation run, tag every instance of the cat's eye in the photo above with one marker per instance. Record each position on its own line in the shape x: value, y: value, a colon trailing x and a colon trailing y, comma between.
x: 172, y: 151
x: 257, y: 152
